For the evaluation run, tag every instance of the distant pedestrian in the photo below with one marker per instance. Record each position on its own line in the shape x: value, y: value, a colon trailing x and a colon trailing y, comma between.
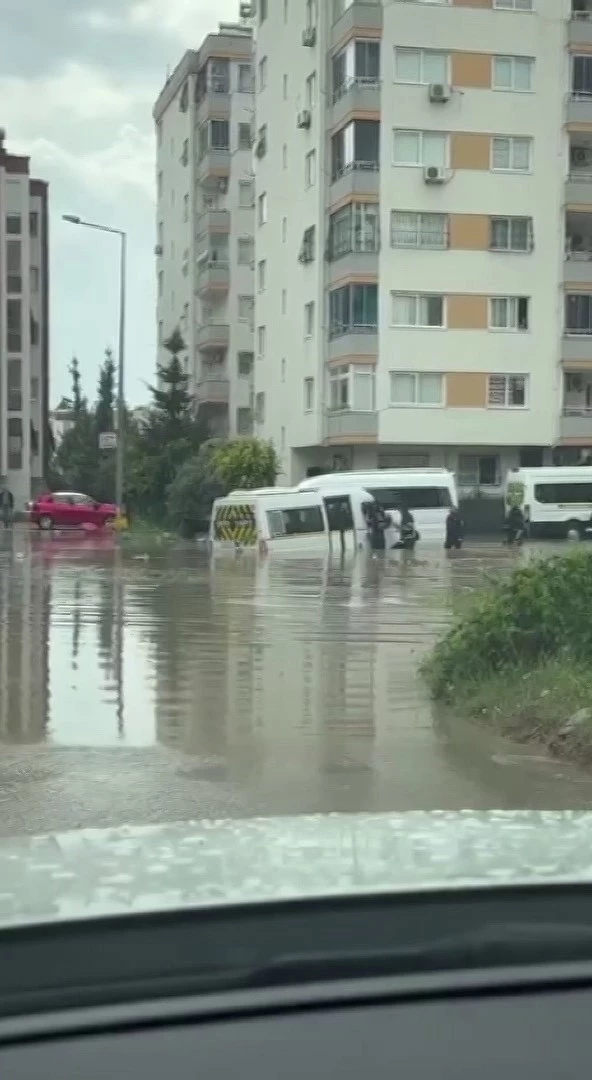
x: 6, y: 507
x: 455, y: 530
x: 515, y: 526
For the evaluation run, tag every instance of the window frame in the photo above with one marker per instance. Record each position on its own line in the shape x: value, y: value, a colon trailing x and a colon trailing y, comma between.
x: 511, y: 139
x: 510, y: 218
x: 508, y: 377
x: 508, y: 329
x: 419, y: 214
x: 510, y: 5
x: 422, y: 55
x: 417, y: 296
x: 417, y: 376
x: 513, y: 59
x: 421, y: 163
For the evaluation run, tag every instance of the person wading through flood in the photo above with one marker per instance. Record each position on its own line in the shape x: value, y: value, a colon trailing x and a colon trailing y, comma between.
x: 6, y: 507
x: 515, y: 526
x: 407, y: 531
x: 455, y: 530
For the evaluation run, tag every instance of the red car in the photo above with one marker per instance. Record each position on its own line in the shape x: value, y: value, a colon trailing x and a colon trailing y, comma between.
x: 70, y: 509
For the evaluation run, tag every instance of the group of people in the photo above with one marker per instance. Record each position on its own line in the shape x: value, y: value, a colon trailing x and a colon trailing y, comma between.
x: 379, y: 522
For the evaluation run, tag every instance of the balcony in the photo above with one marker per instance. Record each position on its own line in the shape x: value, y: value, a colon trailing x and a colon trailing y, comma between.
x: 215, y: 99
x: 213, y: 336
x: 353, y: 340
x: 352, y: 263
x: 212, y: 391
x: 361, y: 15
x: 214, y: 163
x: 359, y: 178
x: 578, y: 248
x: 344, y: 424
x: 213, y: 221
x: 579, y: 108
x: 357, y: 93
x: 213, y: 276
x: 580, y: 24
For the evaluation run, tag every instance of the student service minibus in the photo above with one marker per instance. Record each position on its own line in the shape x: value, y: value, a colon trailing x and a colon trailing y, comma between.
x: 556, y: 501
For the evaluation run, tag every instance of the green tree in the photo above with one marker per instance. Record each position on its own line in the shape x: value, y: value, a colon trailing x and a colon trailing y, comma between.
x: 77, y: 400
x: 104, y: 408
x: 193, y: 490
x: 246, y: 463
x: 75, y: 462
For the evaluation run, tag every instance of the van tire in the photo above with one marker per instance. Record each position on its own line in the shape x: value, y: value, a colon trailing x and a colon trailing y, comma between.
x: 574, y: 530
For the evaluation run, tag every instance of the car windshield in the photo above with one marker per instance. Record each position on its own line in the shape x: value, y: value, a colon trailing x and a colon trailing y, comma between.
x: 295, y: 446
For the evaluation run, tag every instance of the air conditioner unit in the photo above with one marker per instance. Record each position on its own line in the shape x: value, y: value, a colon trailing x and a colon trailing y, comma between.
x: 245, y: 10
x: 439, y: 92
x: 580, y: 155
x: 309, y: 37
x: 303, y: 120
x: 260, y: 148
x: 158, y: 249
x: 434, y: 174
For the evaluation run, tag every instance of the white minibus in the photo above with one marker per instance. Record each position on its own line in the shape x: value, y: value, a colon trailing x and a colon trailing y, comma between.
x: 556, y: 501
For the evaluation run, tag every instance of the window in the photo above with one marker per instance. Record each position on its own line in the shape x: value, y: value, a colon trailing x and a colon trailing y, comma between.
x: 14, y: 325
x: 34, y: 330
x: 245, y: 364
x: 159, y: 184
x: 284, y: 301
x: 355, y: 146
x: 33, y: 224
x: 285, y: 87
x: 506, y: 391
x: 260, y: 407
x: 13, y: 224
x: 339, y: 388
x: 261, y: 275
x: 353, y: 308
x: 415, y: 309
x: 246, y: 193
x: 262, y: 10
x: 416, y: 388
x: 244, y: 137
x: 15, y: 442
x: 285, y: 11
x: 419, y: 230
x: 284, y: 230
x: 511, y: 234
x: 513, y: 5
x: 14, y: 385
x: 310, y: 168
x: 351, y: 387
x: 285, y: 156
x: 309, y: 313
x: 34, y: 388
x: 261, y: 337
x: 244, y: 421
x: 479, y: 471
x: 283, y: 369
x: 561, y: 492
x: 308, y: 395
x: 186, y: 207
x: 512, y: 73
x: 246, y: 308
x: 508, y: 313
x: 246, y: 251
x: 310, y: 90
x: 245, y: 79
x: 511, y: 153
x: 35, y: 275
x: 263, y: 73
x: 419, y: 498
x: 421, y: 66
x: 581, y: 76
x: 308, y: 519
x: 262, y: 209
x: 261, y: 144
x: 578, y: 313
x: 420, y: 148
x: 307, y: 251
x: 219, y: 135
x: 14, y: 281
x: 354, y: 228
x: 185, y: 152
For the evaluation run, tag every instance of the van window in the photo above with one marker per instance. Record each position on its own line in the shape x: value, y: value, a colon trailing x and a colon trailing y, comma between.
x: 419, y: 498
x: 574, y: 492
x: 309, y: 519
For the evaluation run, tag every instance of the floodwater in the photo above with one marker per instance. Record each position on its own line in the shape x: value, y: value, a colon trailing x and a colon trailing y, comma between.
x: 143, y: 690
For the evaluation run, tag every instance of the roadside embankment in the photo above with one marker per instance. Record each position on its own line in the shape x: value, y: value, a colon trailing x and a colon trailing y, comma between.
x: 520, y: 659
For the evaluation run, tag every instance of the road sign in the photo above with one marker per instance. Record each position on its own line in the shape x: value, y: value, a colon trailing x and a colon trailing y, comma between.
x: 107, y: 440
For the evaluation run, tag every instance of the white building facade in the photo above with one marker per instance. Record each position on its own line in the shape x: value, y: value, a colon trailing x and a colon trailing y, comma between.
x: 424, y: 217
x: 205, y: 223
x: 24, y: 323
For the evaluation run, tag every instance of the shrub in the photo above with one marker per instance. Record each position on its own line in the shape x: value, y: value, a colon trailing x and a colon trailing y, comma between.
x: 192, y: 492
x: 542, y: 611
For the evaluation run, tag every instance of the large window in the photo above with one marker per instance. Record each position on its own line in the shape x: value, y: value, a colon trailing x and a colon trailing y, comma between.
x: 476, y: 470
x: 353, y: 308
x: 421, y: 66
x: 581, y: 76
x: 15, y: 442
x: 511, y: 234
x: 511, y: 153
x: 355, y: 146
x: 578, y: 313
x: 308, y: 519
x: 219, y: 135
x: 509, y: 313
x: 513, y: 73
x: 420, y: 148
x: 414, y: 498
x: 354, y: 228
x: 359, y: 61
x: 415, y: 230
x: 416, y: 309
x: 558, y: 492
x: 14, y: 325
x: 351, y: 386
x: 507, y: 391
x: 416, y: 388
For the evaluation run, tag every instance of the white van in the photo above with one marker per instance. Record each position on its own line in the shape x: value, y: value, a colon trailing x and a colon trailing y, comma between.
x: 428, y: 493
x: 265, y: 519
x: 556, y: 501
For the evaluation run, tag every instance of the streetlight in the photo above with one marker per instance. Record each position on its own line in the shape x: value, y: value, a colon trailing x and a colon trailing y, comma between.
x: 120, y: 447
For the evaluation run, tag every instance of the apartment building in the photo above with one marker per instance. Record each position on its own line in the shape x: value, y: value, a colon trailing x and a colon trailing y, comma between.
x: 424, y: 221
x: 24, y: 338
x: 205, y: 223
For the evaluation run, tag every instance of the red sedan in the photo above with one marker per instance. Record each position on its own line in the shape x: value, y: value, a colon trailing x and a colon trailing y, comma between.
x: 71, y: 510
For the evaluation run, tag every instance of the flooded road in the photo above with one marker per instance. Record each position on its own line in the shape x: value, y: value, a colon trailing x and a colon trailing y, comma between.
x: 136, y: 690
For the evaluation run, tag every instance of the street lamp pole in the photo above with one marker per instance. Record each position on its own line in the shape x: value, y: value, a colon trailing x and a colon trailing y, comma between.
x: 120, y: 447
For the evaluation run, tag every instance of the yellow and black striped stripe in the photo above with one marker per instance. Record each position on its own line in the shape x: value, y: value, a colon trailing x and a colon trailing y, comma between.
x: 236, y: 522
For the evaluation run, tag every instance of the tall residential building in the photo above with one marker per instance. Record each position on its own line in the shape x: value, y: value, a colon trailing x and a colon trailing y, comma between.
x: 24, y: 327
x: 205, y: 217
x: 424, y: 234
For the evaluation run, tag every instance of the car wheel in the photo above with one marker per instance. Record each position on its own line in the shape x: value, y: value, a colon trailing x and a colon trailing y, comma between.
x: 45, y: 522
x: 574, y: 530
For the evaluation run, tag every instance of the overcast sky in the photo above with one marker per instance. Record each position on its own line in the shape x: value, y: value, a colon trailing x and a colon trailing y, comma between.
x: 77, y: 83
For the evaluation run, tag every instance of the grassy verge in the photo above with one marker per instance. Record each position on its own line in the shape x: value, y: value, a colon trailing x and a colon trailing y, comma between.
x: 519, y: 656
x: 145, y: 538
x: 550, y: 705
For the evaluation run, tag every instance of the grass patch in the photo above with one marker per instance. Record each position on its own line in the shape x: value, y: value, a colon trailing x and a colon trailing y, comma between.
x: 145, y: 538
x: 519, y: 655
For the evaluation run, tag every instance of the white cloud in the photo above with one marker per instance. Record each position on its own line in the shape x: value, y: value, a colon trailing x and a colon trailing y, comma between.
x: 128, y: 162
x: 75, y: 91
x: 181, y: 18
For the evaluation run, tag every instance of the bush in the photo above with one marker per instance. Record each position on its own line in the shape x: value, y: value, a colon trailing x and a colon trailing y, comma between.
x: 541, y: 612
x: 193, y: 490
x: 246, y: 464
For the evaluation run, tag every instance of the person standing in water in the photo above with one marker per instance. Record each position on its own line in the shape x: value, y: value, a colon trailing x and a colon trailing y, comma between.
x: 6, y: 507
x: 455, y: 530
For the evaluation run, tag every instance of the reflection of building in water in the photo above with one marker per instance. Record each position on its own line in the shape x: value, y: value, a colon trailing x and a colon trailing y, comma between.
x: 25, y: 593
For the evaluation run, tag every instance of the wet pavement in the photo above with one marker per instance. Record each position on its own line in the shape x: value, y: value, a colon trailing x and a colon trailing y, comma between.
x: 148, y: 690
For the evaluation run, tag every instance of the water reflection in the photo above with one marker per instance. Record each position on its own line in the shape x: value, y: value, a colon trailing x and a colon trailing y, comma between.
x: 293, y: 683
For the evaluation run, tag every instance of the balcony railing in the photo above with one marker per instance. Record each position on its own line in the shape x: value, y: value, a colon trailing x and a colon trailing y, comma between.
x: 582, y: 412
x: 339, y: 329
x: 355, y: 166
x: 361, y: 81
